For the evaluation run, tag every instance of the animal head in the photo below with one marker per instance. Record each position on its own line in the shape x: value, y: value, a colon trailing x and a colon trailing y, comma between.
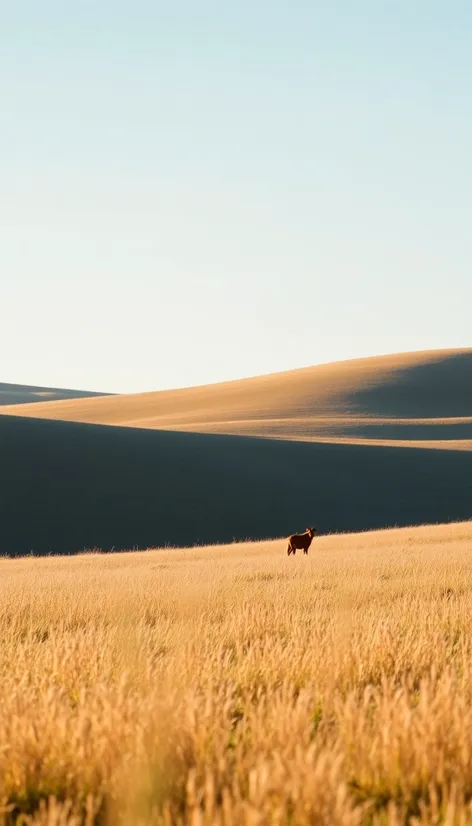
x: 311, y: 531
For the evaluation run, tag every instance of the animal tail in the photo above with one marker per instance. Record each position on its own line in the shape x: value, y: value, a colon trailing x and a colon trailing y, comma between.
x: 289, y: 549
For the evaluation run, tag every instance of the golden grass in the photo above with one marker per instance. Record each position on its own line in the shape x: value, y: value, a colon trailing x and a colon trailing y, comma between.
x: 235, y: 686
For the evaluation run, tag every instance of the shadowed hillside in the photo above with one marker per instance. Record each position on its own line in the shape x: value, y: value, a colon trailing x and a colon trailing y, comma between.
x: 336, y: 458
x: 16, y: 394
x: 65, y: 486
x: 406, y: 399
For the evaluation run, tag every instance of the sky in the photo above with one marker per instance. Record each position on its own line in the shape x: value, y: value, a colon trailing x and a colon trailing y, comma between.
x: 193, y: 191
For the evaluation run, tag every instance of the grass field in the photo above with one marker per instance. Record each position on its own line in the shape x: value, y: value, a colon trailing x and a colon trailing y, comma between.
x: 234, y: 685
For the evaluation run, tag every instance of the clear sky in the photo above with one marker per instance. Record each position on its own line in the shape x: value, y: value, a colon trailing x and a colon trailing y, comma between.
x: 198, y: 191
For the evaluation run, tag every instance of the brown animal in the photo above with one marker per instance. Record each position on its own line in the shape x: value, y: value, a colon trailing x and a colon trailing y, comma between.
x: 300, y: 540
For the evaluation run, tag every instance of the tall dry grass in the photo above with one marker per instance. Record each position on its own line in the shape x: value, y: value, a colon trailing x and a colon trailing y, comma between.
x: 237, y: 686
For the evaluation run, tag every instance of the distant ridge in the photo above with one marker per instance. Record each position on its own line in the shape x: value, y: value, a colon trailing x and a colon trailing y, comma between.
x: 16, y: 394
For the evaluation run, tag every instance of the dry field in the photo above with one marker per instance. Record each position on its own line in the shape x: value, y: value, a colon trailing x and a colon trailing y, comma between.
x: 235, y: 686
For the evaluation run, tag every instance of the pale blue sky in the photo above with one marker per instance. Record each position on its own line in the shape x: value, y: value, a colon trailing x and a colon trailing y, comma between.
x: 192, y: 192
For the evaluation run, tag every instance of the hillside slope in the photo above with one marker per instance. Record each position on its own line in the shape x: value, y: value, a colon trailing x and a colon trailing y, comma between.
x: 405, y: 399
x: 23, y: 394
x: 348, y: 452
x: 65, y: 486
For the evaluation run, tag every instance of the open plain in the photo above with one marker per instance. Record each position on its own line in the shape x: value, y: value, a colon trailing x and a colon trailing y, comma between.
x: 234, y: 685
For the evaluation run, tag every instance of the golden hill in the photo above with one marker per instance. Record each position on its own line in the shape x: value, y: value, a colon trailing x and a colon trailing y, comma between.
x: 422, y: 398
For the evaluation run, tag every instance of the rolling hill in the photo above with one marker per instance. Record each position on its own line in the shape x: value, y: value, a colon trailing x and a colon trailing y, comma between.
x: 349, y: 449
x: 423, y: 398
